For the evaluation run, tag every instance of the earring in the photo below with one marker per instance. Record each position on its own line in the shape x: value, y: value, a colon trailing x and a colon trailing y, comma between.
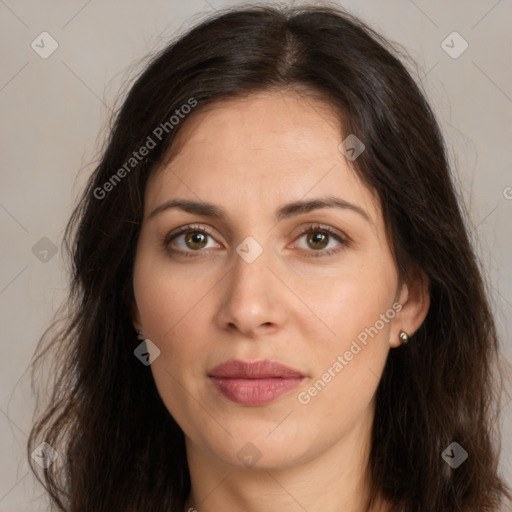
x: 404, y: 337
x: 140, y: 336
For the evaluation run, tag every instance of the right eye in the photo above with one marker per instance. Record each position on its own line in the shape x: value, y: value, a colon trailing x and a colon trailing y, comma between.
x: 189, y: 239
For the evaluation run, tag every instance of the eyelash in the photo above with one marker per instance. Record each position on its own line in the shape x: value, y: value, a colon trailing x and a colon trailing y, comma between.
x: 311, y: 229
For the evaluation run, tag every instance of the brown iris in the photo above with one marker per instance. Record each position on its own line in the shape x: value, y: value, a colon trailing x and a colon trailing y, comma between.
x: 195, y: 240
x: 317, y: 240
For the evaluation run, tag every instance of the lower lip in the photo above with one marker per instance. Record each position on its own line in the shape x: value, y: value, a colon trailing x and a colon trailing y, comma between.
x: 255, y: 391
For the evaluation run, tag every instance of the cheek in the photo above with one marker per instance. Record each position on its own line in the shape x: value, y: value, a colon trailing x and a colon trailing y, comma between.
x: 174, y: 321
x: 175, y: 310
x: 352, y: 297
x: 348, y: 366
x: 167, y: 297
x: 358, y: 309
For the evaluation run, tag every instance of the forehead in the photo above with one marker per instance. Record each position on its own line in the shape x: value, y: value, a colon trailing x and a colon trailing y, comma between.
x: 282, y: 123
x: 263, y: 149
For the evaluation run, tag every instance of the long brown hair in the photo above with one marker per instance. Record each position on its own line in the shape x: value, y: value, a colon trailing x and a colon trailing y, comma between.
x: 119, y: 447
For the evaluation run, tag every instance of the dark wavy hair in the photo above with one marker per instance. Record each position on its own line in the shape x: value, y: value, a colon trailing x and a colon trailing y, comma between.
x: 120, y: 449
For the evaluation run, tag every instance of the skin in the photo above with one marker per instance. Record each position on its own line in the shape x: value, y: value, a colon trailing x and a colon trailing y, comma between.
x: 251, y: 156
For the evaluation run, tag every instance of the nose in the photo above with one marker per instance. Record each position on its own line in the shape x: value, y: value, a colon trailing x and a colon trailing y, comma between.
x: 253, y: 299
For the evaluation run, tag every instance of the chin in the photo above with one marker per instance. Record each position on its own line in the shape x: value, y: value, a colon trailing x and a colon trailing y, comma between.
x: 250, y: 449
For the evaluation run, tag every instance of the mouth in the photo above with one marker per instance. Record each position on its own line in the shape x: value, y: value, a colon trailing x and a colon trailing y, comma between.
x: 254, y: 383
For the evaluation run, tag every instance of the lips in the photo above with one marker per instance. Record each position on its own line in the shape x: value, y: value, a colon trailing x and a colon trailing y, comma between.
x: 265, y: 369
x: 254, y: 383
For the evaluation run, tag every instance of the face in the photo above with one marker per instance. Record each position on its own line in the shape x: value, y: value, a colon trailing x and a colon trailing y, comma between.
x: 260, y: 244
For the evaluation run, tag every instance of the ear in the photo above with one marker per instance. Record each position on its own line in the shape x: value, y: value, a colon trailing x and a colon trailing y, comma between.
x: 134, y: 311
x: 414, y: 298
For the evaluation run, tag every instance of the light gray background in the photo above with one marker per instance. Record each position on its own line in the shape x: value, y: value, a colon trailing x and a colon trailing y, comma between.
x: 54, y: 114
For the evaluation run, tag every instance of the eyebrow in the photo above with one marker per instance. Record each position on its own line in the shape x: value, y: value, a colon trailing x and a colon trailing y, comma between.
x: 284, y: 212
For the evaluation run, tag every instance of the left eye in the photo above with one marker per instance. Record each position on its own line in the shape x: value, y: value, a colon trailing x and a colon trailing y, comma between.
x: 320, y: 239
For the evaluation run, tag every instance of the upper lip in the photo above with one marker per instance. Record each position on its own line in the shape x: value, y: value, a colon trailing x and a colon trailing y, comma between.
x: 236, y: 369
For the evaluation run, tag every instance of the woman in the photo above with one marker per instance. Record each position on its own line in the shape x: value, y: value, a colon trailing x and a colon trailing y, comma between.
x: 274, y: 305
